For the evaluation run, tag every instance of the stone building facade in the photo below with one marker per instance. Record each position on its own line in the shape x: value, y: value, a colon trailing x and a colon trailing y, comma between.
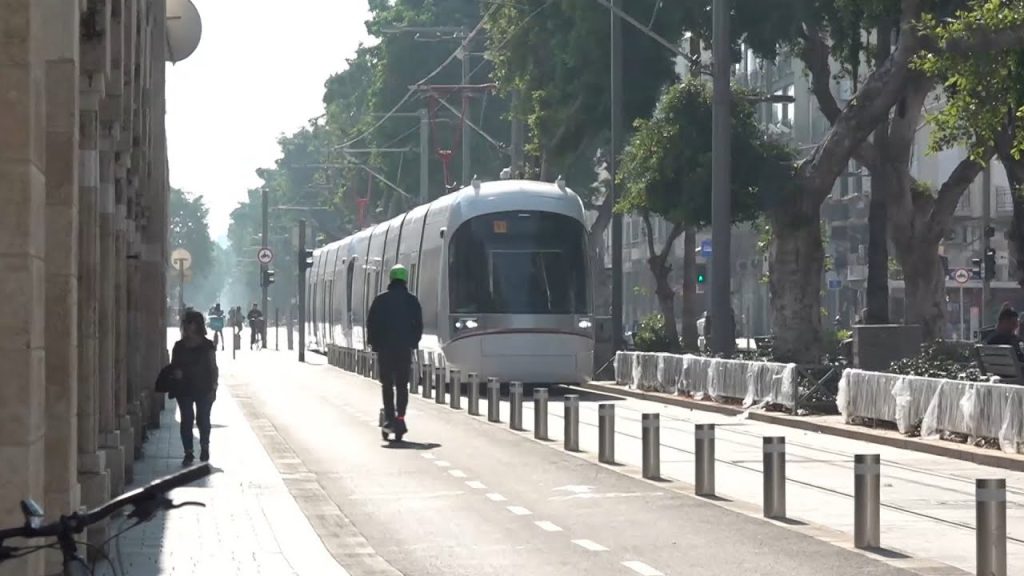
x: 83, y: 216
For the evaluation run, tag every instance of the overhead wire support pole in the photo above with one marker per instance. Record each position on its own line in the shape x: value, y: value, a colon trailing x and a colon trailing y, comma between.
x: 466, y: 134
x: 722, y: 338
x: 613, y: 196
x: 424, y: 155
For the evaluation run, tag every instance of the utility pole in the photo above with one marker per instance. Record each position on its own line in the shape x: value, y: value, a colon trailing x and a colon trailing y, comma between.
x: 986, y: 209
x: 263, y: 267
x: 301, y: 265
x: 466, y: 133
x: 424, y: 156
x: 517, y: 136
x: 723, y: 339
x: 613, y: 196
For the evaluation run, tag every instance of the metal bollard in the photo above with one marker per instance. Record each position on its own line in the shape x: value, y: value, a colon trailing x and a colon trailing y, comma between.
x: 606, y: 433
x: 774, y: 476
x: 651, y: 439
x: 374, y: 367
x: 414, y: 376
x: 990, y: 530
x: 455, y: 398
x: 515, y: 402
x: 474, y: 394
x: 572, y: 422
x: 439, y: 385
x: 866, y: 500
x: 540, y: 413
x: 493, y: 400
x: 704, y: 452
x: 428, y: 380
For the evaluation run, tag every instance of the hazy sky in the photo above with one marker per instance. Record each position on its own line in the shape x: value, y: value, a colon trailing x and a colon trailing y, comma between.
x: 258, y: 73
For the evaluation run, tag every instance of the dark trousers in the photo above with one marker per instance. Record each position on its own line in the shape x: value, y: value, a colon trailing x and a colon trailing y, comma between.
x: 394, y: 380
x: 194, y: 410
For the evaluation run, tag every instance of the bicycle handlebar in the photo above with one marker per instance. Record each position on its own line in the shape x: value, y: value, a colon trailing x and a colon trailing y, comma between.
x: 79, y: 521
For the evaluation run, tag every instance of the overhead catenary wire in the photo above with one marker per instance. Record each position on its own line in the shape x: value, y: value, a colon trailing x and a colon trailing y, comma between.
x: 412, y: 91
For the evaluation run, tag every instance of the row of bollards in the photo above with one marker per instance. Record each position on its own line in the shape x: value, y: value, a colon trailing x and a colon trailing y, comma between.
x: 445, y: 386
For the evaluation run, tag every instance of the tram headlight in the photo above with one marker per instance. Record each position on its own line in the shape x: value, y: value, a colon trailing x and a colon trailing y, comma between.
x: 585, y: 323
x: 466, y: 323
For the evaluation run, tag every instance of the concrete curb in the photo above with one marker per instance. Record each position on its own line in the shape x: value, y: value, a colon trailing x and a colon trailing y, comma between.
x: 980, y: 456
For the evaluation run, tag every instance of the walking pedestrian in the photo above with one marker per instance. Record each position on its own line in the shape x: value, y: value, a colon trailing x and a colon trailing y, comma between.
x: 255, y: 327
x: 217, y: 325
x: 194, y: 359
x: 394, y: 328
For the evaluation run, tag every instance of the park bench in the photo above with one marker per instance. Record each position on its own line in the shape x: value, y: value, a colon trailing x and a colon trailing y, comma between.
x: 1000, y: 361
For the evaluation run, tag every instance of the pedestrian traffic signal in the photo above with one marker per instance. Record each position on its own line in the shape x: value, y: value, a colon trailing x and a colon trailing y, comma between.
x: 702, y: 273
x: 306, y: 260
x: 268, y: 278
x: 990, y: 264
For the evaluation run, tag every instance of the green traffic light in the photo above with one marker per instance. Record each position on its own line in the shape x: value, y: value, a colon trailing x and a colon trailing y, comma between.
x: 700, y: 278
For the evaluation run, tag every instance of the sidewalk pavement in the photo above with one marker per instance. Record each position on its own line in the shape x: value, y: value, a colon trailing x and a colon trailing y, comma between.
x: 251, y: 523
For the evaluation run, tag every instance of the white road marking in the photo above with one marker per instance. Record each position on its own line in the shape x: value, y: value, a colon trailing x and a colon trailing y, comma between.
x: 442, y: 463
x: 429, y: 456
x: 590, y: 545
x: 457, y: 473
x: 495, y: 497
x: 475, y: 484
x: 519, y: 511
x: 547, y: 526
x: 641, y: 568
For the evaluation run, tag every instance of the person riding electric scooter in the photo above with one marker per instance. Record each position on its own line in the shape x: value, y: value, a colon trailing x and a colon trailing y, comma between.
x: 394, y: 328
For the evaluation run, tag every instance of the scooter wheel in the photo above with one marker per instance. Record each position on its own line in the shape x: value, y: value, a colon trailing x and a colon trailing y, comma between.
x: 384, y: 434
x: 398, y: 437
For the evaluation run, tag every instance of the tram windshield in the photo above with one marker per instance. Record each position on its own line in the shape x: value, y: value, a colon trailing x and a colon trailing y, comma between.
x: 522, y: 262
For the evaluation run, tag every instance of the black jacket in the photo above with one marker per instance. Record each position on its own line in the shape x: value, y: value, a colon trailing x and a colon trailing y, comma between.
x: 198, y: 365
x: 395, y: 321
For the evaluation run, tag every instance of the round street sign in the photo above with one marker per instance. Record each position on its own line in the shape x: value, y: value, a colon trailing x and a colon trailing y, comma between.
x: 181, y: 259
x: 265, y: 256
x: 962, y: 275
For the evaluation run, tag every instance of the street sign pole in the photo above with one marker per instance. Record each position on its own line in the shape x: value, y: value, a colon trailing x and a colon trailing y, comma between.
x: 181, y: 289
x: 263, y: 270
x: 300, y: 261
x: 962, y: 313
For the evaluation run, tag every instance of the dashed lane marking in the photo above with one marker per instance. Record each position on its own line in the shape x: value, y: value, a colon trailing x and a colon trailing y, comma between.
x: 547, y: 526
x: 519, y: 510
x: 442, y: 463
x: 494, y: 496
x: 641, y: 568
x: 457, y: 473
x: 475, y: 484
x: 429, y: 456
x: 590, y: 545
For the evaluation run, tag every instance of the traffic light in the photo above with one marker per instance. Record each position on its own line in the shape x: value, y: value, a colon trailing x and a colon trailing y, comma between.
x: 306, y: 260
x: 976, y: 268
x: 268, y: 278
x: 990, y: 264
x: 702, y: 273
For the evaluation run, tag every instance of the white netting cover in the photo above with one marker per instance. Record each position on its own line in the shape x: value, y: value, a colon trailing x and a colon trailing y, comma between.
x: 975, y: 409
x: 755, y: 383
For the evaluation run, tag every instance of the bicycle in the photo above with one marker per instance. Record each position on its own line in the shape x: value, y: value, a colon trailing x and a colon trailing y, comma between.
x: 145, y: 502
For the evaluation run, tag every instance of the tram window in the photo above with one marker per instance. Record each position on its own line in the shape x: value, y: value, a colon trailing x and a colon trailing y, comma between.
x: 348, y: 289
x: 519, y: 263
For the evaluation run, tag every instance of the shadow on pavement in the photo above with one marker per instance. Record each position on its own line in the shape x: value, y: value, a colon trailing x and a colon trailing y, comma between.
x: 886, y: 553
x: 406, y: 445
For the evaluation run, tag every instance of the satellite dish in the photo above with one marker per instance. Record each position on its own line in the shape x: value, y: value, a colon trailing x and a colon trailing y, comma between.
x: 184, y: 29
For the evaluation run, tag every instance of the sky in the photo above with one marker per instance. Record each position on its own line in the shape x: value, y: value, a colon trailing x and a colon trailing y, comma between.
x: 258, y: 73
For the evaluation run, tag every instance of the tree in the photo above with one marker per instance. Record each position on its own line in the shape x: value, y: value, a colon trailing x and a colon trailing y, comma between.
x: 667, y: 172
x: 796, y: 255
x: 188, y: 228
x: 984, y: 100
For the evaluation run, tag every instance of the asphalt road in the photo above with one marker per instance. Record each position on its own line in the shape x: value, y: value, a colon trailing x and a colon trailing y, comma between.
x: 464, y: 497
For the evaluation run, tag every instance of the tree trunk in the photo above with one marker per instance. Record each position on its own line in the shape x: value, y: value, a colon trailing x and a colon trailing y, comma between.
x: 690, y: 289
x: 666, y: 298
x: 796, y: 262
x: 878, y: 240
x: 1015, y: 176
x: 925, y: 288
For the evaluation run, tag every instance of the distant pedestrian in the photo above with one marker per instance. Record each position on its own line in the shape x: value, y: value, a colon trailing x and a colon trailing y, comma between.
x: 194, y: 359
x: 1006, y: 331
x: 255, y: 326
x: 394, y: 328
x: 216, y: 320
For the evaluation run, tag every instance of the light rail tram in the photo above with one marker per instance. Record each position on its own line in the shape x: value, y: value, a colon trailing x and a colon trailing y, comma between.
x: 500, y: 269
